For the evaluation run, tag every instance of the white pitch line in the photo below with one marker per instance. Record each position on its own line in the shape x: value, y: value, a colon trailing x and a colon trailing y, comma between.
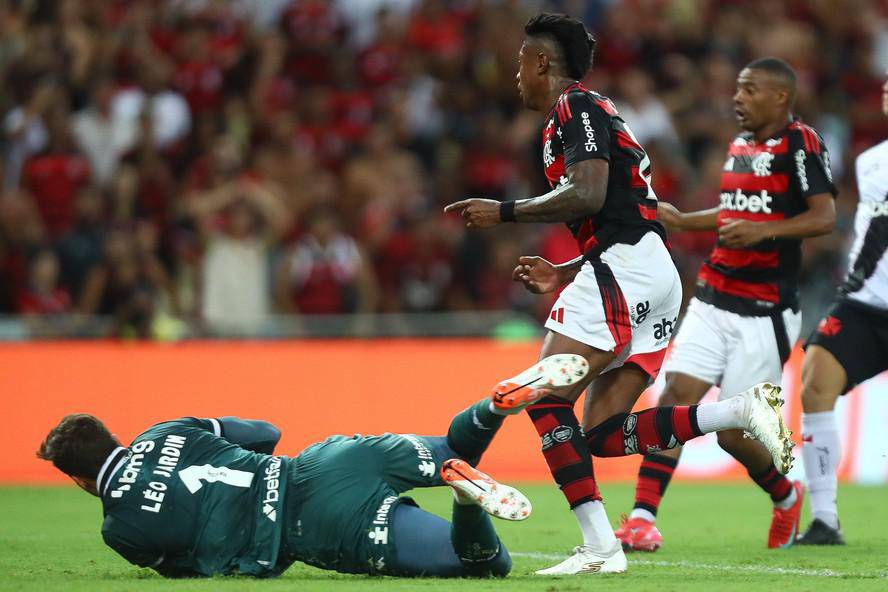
x: 786, y: 571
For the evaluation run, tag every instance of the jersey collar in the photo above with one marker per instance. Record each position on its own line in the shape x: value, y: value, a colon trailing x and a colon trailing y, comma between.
x: 114, y: 461
x: 783, y: 131
x: 570, y: 87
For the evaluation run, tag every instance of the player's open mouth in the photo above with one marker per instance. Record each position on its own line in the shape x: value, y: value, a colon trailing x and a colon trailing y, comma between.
x: 740, y: 114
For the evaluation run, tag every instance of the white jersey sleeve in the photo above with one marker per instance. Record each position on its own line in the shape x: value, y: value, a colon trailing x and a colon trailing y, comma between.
x: 867, y: 279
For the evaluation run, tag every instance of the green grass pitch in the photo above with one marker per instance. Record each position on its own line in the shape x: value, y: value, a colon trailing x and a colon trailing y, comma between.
x: 714, y: 537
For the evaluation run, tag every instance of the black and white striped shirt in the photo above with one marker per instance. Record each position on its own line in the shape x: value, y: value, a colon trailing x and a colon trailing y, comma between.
x: 867, y: 279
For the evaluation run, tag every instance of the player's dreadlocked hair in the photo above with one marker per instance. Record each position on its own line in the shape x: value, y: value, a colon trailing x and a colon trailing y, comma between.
x: 78, y: 445
x: 779, y: 68
x: 576, y: 43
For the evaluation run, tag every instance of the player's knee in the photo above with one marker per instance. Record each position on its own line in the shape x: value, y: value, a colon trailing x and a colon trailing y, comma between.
x: 730, y: 440
x: 669, y: 396
x: 816, y: 399
x: 816, y: 396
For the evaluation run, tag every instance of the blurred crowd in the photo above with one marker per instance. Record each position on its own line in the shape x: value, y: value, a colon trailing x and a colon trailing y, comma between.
x: 217, y: 162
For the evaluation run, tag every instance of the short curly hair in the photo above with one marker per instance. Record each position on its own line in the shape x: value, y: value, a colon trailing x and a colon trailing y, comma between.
x: 78, y: 445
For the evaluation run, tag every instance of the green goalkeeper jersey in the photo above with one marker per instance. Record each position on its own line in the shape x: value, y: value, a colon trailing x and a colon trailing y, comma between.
x: 186, y: 502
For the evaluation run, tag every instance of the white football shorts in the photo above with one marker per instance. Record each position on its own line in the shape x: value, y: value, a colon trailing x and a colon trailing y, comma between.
x: 732, y: 351
x: 626, y: 302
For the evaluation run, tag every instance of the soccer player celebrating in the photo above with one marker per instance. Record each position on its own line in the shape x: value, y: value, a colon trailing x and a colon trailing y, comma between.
x: 849, y: 346
x: 623, y: 297
x: 776, y: 189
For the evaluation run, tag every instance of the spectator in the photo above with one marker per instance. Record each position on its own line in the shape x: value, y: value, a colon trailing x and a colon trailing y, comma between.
x: 25, y: 131
x: 167, y: 110
x: 325, y: 272
x: 639, y: 105
x: 128, y: 285
x: 103, y: 136
x: 44, y: 294
x: 381, y: 185
x: 80, y: 250
x: 416, y: 266
x: 185, y: 112
x: 57, y: 174
x: 240, y: 221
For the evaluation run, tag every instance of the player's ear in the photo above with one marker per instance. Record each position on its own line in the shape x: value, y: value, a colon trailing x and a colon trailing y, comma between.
x: 780, y: 95
x: 542, y: 63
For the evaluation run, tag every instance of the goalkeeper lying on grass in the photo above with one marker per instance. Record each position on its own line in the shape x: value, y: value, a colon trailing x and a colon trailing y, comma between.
x: 198, y: 497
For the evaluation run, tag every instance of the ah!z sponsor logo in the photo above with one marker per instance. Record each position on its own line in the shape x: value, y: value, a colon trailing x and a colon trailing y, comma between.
x: 738, y: 201
x: 663, y: 329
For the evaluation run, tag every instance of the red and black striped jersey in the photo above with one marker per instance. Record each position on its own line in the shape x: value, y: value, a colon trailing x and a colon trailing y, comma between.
x: 583, y: 125
x: 771, y: 180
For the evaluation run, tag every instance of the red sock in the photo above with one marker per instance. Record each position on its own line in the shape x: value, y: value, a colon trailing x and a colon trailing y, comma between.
x: 565, y: 449
x: 777, y: 485
x: 647, y: 431
x: 653, y: 478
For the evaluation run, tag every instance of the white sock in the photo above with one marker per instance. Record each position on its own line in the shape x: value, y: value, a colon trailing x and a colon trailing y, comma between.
x: 821, y: 451
x: 597, y: 531
x: 788, y: 501
x: 723, y: 415
x: 643, y: 514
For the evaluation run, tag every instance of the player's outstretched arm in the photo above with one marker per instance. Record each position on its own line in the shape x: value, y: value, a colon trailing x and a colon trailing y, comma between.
x: 818, y: 219
x: 677, y: 221
x: 583, y: 195
x: 250, y: 434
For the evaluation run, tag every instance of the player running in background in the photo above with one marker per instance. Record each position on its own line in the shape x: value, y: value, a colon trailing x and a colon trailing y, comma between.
x: 624, y: 291
x: 849, y: 346
x: 739, y: 328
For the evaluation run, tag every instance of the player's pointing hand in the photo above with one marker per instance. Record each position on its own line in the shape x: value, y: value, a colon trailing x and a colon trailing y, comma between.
x: 478, y: 213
